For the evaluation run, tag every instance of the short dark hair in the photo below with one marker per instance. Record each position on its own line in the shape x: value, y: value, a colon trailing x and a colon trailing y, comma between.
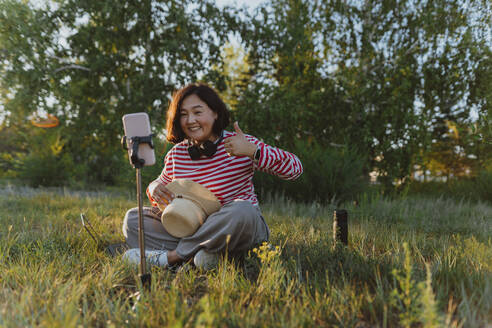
x: 208, y: 95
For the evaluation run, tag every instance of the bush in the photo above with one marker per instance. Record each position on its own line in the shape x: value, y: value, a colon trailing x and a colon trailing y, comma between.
x: 45, y: 169
x: 477, y: 188
x: 481, y: 186
x: 330, y: 175
x: 46, y: 163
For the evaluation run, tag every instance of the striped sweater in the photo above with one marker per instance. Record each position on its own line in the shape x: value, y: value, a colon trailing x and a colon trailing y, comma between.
x: 228, y: 177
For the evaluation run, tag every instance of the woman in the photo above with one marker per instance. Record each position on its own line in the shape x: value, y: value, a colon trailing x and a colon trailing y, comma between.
x: 225, y: 166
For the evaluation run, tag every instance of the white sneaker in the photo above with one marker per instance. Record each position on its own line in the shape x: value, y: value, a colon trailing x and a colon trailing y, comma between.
x: 156, y: 258
x: 205, y: 260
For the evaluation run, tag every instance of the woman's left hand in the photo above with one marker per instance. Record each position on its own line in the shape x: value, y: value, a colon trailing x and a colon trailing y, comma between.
x: 238, y: 145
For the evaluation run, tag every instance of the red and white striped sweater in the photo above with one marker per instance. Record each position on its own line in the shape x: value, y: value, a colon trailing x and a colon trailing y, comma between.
x: 228, y: 177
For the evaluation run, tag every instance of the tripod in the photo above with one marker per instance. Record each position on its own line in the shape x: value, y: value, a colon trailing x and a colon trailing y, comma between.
x: 138, y: 164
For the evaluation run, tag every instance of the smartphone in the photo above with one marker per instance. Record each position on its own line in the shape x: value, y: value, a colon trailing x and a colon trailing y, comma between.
x: 138, y: 125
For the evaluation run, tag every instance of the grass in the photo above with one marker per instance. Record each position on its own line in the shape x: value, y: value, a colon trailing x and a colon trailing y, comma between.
x: 410, y: 262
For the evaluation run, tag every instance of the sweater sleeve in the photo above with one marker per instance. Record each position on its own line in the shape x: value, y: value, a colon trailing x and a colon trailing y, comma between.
x: 276, y: 161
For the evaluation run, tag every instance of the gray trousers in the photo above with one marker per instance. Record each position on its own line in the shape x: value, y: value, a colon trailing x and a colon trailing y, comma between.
x: 238, y: 226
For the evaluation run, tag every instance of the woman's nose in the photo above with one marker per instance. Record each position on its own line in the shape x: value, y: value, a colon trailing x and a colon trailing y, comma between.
x: 190, y: 118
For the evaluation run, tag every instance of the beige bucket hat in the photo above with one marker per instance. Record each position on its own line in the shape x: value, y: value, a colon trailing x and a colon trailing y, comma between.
x: 191, y: 207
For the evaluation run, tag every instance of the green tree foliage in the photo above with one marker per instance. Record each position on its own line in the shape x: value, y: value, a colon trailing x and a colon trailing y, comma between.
x: 90, y: 62
x: 234, y: 70
x: 331, y: 175
x: 282, y: 95
x: 383, y: 77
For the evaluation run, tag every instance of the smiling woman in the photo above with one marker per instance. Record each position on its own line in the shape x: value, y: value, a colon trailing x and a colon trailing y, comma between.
x: 222, y: 163
x: 202, y: 108
x: 197, y: 119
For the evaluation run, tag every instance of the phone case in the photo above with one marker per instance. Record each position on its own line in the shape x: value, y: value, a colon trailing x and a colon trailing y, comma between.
x: 138, y: 125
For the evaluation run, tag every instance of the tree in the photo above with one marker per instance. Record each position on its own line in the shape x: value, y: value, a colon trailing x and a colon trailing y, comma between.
x: 382, y: 77
x: 90, y: 62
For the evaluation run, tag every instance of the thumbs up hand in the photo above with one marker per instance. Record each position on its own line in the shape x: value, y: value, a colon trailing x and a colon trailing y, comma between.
x: 238, y: 145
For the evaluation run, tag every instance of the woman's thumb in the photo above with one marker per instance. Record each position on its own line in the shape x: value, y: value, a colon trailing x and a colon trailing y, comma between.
x: 237, y: 128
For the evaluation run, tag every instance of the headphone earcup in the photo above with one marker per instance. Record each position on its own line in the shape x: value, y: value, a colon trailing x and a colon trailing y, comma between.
x: 194, y: 152
x: 208, y: 148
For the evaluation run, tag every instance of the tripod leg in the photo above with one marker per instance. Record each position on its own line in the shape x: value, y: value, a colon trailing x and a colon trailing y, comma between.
x: 144, y: 276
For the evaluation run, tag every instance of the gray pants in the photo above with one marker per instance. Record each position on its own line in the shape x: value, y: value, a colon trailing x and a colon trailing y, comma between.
x: 238, y: 226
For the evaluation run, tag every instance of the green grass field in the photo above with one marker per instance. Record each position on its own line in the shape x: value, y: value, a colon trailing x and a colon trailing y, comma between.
x: 411, y: 262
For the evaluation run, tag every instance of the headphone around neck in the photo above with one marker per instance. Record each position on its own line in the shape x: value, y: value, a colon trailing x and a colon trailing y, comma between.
x: 207, y: 148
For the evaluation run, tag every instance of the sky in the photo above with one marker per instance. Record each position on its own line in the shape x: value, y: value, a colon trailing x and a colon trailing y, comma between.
x: 251, y: 4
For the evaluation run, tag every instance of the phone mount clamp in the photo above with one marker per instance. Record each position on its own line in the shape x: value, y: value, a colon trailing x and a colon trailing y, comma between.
x: 138, y: 163
x: 135, y: 142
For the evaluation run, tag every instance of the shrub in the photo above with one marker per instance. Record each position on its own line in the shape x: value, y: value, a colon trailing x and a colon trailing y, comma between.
x: 472, y: 188
x: 45, y: 169
x: 476, y: 188
x: 45, y: 164
x: 330, y: 175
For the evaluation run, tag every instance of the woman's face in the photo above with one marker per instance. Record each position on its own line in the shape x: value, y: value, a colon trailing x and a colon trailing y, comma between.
x: 197, y: 119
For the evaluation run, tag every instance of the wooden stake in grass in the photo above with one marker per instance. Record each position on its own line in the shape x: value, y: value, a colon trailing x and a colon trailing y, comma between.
x: 340, y: 227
